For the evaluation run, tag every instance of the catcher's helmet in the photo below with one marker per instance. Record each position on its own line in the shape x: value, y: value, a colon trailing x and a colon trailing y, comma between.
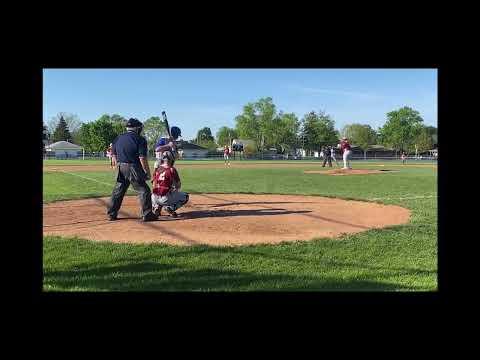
x: 133, y: 123
x: 168, y: 155
x: 175, y: 132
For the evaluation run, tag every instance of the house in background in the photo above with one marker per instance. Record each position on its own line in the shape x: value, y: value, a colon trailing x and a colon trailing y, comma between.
x: 191, y: 151
x: 63, y: 150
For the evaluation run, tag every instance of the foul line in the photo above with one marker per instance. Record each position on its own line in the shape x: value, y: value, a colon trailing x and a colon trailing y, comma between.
x: 86, y: 178
x: 405, y: 198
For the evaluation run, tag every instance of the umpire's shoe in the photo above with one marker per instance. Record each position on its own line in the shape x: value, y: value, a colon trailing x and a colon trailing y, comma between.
x: 150, y: 217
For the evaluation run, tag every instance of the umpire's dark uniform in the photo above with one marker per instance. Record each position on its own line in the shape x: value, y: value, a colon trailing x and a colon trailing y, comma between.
x: 328, y: 156
x: 127, y: 148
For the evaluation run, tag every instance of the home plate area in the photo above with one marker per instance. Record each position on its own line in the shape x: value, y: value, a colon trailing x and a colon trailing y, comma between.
x: 222, y: 220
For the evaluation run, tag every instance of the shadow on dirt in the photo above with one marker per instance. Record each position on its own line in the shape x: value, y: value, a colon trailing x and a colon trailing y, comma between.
x: 196, y: 214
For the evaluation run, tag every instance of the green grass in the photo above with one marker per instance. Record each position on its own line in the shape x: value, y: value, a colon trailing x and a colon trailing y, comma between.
x: 401, y: 258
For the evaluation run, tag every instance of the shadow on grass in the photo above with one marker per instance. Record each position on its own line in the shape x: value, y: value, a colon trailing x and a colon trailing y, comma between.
x: 301, y: 261
x: 155, y: 276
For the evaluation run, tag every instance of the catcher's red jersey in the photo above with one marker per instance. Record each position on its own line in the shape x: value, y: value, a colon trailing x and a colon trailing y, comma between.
x: 164, y: 179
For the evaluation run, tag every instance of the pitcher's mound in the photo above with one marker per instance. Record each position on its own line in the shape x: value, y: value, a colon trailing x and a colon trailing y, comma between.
x: 222, y: 219
x: 348, y: 171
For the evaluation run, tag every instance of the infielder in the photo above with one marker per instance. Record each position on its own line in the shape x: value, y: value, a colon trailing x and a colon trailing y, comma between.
x: 166, y: 186
x: 345, y: 148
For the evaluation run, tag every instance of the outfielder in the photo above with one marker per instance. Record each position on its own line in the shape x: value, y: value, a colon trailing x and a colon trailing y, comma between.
x: 226, y: 154
x: 109, y: 154
x: 404, y: 158
x: 166, y: 186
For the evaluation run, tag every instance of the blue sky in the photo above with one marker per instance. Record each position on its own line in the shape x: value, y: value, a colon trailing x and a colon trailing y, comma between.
x: 195, y: 98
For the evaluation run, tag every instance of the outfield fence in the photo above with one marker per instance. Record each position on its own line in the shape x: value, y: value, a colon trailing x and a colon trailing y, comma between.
x: 256, y: 156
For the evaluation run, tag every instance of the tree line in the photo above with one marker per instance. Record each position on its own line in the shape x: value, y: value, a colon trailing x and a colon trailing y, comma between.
x: 262, y: 123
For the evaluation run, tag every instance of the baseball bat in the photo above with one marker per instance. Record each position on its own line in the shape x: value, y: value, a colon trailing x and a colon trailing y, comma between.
x: 165, y: 121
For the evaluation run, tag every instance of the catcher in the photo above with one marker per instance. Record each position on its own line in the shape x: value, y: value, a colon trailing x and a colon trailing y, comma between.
x: 166, y: 186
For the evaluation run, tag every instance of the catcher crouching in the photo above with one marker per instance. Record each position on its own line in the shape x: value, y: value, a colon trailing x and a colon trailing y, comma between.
x: 166, y: 186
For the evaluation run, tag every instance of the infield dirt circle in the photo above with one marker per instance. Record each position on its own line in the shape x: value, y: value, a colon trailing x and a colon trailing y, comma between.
x: 223, y: 220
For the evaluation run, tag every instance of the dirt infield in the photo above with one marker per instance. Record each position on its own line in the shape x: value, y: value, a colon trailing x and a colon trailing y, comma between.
x: 223, y: 220
x: 349, y: 172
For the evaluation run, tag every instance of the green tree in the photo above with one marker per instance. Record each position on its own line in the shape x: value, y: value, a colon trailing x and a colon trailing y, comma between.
x: 153, y: 128
x: 286, y: 132
x: 401, y: 129
x: 73, y: 123
x: 424, y: 140
x: 85, y: 138
x: 204, y: 138
x: 97, y: 135
x: 225, y: 135
x: 258, y: 123
x: 266, y: 114
x: 360, y: 135
x: 433, y: 132
x: 248, y: 126
x: 62, y: 132
x: 119, y: 124
x: 317, y: 130
x: 101, y: 134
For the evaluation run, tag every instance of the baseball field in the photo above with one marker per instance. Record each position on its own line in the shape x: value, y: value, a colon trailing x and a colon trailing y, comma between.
x: 253, y: 226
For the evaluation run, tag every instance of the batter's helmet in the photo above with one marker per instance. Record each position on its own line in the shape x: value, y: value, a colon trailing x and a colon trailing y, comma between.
x: 175, y: 132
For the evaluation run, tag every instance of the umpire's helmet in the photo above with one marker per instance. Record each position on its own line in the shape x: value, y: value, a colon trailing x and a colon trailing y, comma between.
x: 175, y: 132
x: 134, y: 125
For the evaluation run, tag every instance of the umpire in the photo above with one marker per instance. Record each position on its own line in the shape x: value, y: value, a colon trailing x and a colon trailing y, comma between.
x: 129, y: 154
x: 328, y: 156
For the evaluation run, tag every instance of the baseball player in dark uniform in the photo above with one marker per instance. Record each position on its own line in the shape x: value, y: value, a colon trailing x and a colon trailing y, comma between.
x: 129, y: 155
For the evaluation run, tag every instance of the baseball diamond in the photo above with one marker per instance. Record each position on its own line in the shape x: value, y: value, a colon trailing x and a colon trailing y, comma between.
x: 258, y: 180
x: 260, y: 224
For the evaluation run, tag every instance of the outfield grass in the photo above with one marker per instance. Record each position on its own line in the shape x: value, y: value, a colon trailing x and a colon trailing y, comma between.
x: 402, y: 258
